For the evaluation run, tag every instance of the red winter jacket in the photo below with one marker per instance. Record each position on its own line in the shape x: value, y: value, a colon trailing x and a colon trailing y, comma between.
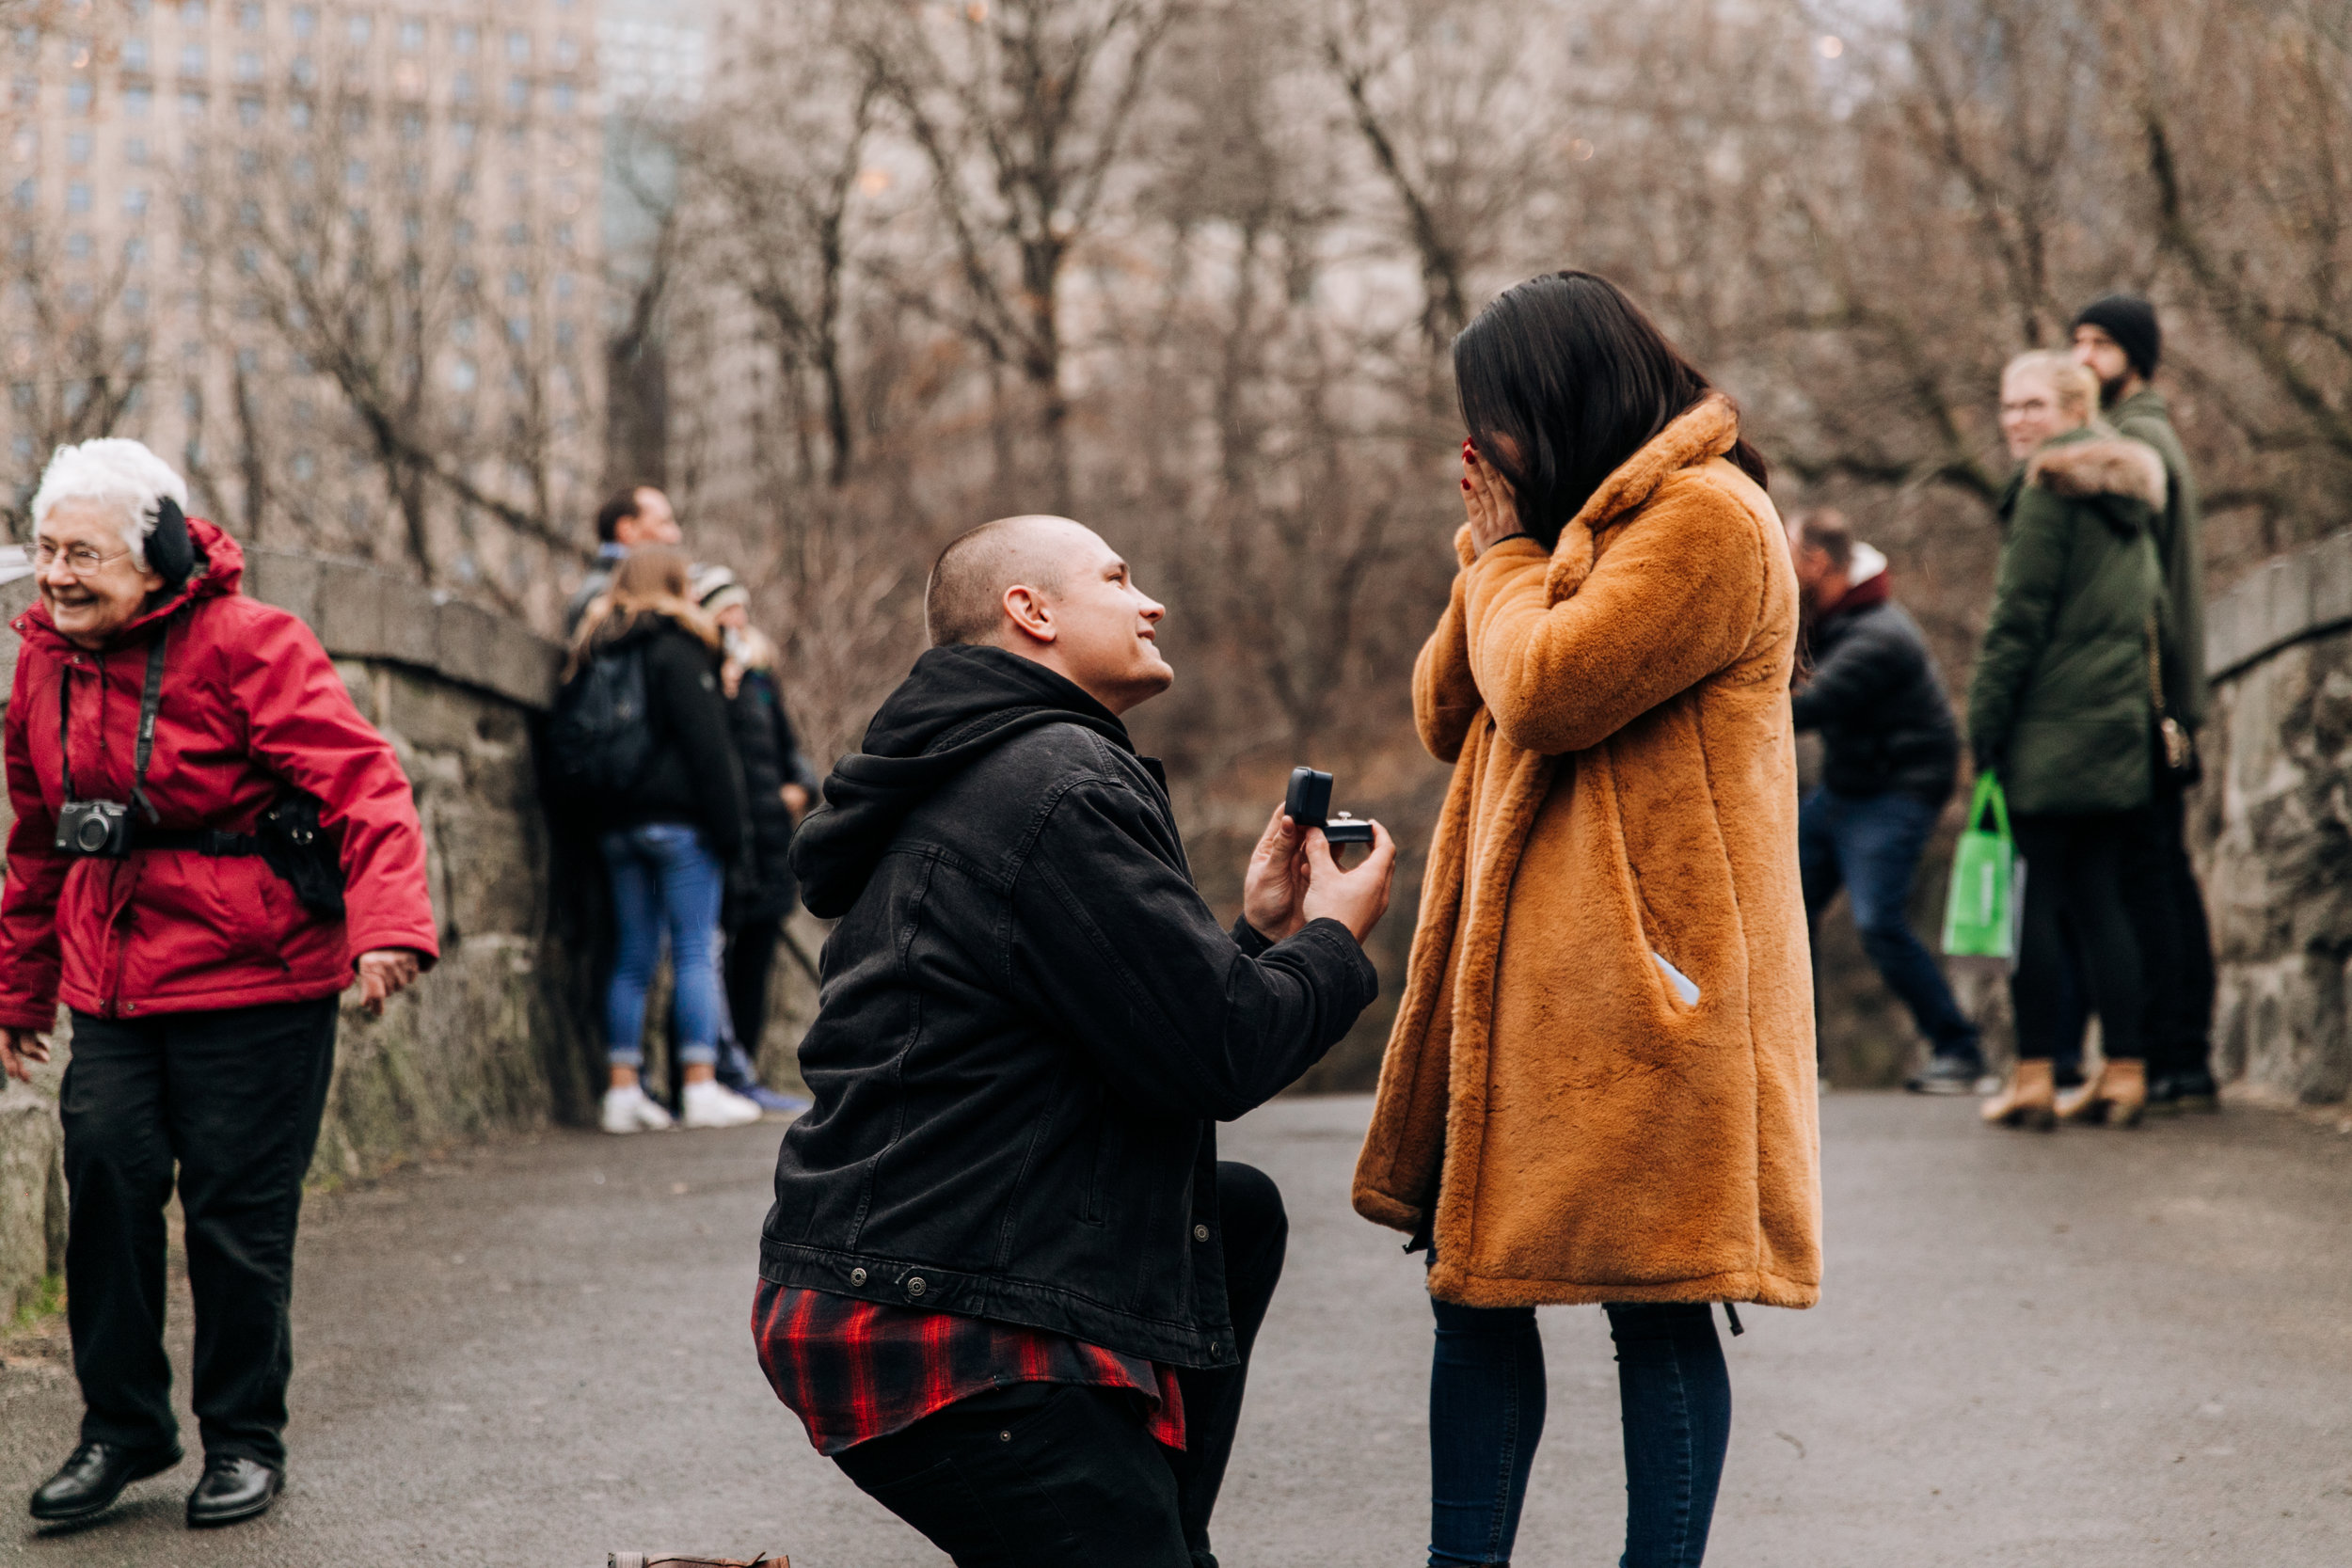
x: 251, y: 704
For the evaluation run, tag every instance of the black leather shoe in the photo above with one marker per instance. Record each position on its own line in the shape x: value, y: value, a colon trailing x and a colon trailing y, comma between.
x: 233, y: 1488
x: 88, y: 1483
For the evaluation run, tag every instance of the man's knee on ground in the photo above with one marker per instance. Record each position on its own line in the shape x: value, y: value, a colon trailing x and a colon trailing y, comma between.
x: 1250, y: 1204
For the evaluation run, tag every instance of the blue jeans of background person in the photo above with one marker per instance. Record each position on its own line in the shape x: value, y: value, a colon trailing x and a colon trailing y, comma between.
x: 1870, y: 845
x: 1487, y: 1415
x: 666, y: 882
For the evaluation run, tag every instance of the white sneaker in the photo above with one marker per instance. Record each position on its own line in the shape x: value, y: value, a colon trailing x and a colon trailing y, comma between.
x: 632, y: 1109
x: 713, y: 1104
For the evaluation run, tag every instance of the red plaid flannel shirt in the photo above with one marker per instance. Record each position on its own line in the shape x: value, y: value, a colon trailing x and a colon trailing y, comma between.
x: 854, y: 1370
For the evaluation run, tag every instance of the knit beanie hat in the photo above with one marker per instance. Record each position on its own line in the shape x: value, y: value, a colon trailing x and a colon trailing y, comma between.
x: 717, y: 588
x: 2131, y: 321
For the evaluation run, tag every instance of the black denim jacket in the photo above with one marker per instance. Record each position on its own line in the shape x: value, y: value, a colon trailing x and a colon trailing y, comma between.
x: 1028, y: 1024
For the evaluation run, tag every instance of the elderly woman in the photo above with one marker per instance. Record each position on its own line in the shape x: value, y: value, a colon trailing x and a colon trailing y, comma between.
x: 210, y: 843
x: 2062, y: 709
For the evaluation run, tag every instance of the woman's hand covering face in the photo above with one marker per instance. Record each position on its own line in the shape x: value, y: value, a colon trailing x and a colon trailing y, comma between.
x: 1487, y: 500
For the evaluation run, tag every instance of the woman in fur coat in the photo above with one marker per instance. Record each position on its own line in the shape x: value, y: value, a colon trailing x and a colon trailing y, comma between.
x: 1599, y: 1088
x: 2062, y: 708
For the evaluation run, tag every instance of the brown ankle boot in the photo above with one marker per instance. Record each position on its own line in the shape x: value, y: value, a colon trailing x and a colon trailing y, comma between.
x: 2116, y: 1098
x: 2031, y: 1099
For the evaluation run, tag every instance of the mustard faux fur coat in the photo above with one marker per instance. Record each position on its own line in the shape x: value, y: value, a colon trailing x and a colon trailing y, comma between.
x: 1624, y: 785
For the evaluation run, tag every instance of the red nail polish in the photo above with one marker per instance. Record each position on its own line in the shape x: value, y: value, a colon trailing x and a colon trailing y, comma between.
x: 1466, y: 484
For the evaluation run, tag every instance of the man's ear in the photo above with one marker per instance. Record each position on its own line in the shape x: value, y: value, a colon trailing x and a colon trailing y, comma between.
x: 1027, y: 608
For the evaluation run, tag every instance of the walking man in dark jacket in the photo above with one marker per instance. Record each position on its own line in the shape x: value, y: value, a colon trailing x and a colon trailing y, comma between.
x: 1891, y: 748
x: 2117, y: 337
x: 1006, y: 1284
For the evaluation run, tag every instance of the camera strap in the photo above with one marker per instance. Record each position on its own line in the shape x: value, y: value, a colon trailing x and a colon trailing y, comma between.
x: 151, y: 704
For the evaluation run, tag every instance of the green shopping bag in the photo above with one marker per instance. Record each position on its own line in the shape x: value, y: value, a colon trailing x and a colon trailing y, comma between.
x: 1987, y: 905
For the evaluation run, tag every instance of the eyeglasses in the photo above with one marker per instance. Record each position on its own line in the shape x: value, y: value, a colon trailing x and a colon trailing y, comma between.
x: 81, y: 560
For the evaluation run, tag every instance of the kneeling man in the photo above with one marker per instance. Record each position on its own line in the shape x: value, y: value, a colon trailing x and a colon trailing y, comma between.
x: 1006, y: 1283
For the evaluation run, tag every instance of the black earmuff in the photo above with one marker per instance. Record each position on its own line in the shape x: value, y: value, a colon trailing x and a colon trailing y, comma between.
x: 170, y: 550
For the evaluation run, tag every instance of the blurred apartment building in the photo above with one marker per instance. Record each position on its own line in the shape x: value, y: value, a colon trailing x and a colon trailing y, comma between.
x: 308, y: 250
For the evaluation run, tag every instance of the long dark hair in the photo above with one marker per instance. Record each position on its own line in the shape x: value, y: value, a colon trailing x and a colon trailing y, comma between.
x: 1575, y: 379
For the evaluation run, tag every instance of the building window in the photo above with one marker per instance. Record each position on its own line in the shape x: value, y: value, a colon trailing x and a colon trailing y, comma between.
x: 77, y: 246
x: 77, y: 197
x: 192, y: 59
x: 411, y: 35
x: 356, y: 173
x: 463, y: 39
x: 305, y: 71
x: 298, y: 114
x: 249, y: 112
x: 305, y: 20
x: 461, y: 132
x: 249, y: 17
x: 303, y: 467
x: 462, y: 375
x: 191, y: 105
x: 518, y: 92
x: 135, y: 102
x: 135, y: 53
x: 359, y: 28
x: 77, y: 96
x: 518, y: 48
x: 135, y: 302
x: 567, y: 52
x: 191, y: 13
x: 78, y: 148
x: 517, y: 282
x: 248, y: 65
x: 25, y: 91
x: 27, y: 191
x: 135, y: 202
x: 134, y: 152
x: 566, y: 98
x: 461, y: 87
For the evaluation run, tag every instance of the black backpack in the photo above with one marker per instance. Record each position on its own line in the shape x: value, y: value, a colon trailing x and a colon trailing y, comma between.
x: 600, y: 740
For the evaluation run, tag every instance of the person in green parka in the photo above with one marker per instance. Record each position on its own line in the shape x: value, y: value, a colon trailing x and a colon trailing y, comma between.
x: 2061, y: 710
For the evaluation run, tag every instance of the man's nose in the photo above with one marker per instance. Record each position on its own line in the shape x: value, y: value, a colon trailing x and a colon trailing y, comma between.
x: 1153, y: 610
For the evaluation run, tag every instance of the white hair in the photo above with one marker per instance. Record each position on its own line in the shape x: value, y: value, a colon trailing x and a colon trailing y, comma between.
x: 115, y: 471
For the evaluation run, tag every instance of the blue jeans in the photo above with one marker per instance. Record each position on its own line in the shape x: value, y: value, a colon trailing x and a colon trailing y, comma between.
x: 1870, y: 844
x: 664, y: 883
x: 1486, y: 1416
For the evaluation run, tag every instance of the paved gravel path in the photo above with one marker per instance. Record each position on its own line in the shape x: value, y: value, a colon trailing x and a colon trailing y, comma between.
x: 2086, y: 1351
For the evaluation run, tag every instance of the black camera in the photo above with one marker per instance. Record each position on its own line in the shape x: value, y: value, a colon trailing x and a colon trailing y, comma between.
x: 1309, y: 804
x: 95, y: 827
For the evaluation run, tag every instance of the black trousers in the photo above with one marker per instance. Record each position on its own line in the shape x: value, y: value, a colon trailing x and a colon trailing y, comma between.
x: 749, y: 963
x: 1045, y: 1475
x: 2176, y: 941
x: 2078, y: 867
x: 234, y: 1097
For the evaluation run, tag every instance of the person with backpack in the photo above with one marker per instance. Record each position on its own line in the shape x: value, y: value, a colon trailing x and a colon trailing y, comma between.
x: 779, y: 784
x: 641, y: 735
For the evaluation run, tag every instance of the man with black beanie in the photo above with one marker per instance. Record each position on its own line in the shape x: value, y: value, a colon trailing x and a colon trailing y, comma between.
x: 2118, y: 337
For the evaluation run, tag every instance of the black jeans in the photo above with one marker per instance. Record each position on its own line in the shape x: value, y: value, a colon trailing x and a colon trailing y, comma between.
x: 2078, y: 870
x: 2176, y: 943
x: 1045, y: 1475
x: 1487, y: 1396
x: 750, y: 961
x: 234, y: 1097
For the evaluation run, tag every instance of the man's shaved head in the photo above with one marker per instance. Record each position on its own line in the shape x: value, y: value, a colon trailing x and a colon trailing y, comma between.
x: 965, y: 601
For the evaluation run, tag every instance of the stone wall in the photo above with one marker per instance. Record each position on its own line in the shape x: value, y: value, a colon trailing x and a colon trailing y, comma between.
x: 491, y: 1039
x: 2272, y: 824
